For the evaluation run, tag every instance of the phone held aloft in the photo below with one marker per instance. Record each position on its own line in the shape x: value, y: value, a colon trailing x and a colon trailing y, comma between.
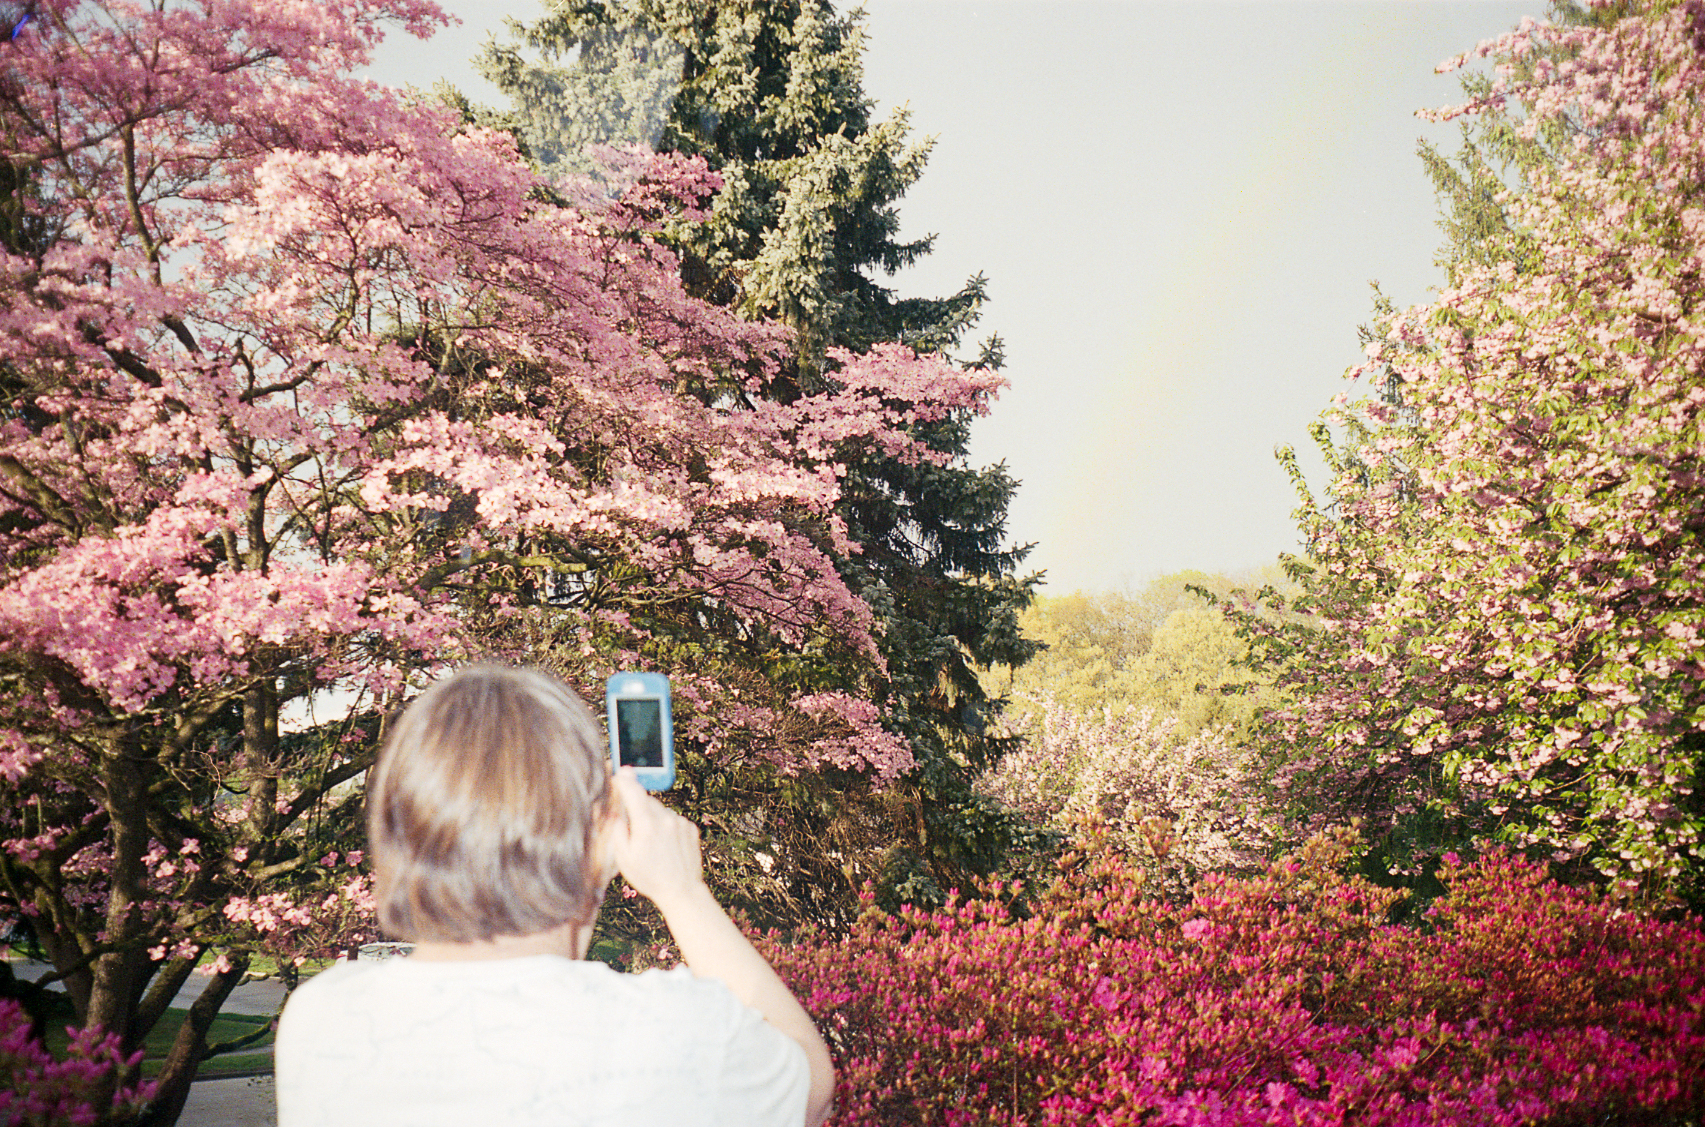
x: 642, y: 736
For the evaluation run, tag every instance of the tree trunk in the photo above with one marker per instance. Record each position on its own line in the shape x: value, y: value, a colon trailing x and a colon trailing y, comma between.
x: 260, y: 754
x: 111, y: 1005
x: 113, y: 994
x: 184, y: 1059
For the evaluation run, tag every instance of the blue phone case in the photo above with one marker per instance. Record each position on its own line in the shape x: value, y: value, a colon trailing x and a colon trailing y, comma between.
x: 642, y: 730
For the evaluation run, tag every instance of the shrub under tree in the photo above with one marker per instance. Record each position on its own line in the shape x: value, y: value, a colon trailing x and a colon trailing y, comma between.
x: 1280, y: 998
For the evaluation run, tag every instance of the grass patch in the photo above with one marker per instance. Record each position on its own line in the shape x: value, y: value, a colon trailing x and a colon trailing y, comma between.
x: 226, y: 1027
x: 247, y: 1061
x: 268, y: 966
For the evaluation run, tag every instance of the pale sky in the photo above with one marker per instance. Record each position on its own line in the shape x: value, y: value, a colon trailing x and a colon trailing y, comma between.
x: 1179, y: 207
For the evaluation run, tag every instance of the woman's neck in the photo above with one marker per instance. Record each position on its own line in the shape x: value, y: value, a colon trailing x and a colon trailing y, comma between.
x: 570, y: 941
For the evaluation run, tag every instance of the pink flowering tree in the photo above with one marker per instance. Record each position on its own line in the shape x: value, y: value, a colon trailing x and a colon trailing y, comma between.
x: 310, y: 390
x: 1510, y: 577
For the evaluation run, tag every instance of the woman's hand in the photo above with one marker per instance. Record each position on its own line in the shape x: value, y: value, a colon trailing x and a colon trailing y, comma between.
x: 654, y: 848
x: 657, y: 850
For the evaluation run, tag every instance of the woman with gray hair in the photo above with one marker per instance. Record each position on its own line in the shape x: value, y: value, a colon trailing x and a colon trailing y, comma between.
x: 494, y: 825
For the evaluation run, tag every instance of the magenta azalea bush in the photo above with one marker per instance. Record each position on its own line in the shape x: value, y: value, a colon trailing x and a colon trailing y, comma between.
x: 1281, y: 998
x: 82, y: 1090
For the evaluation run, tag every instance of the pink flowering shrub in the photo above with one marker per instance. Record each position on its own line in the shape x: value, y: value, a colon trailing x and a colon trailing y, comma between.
x: 1179, y: 802
x: 38, y: 1091
x: 1279, y: 998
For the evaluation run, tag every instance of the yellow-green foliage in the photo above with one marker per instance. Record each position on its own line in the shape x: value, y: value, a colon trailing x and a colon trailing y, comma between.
x: 1160, y: 648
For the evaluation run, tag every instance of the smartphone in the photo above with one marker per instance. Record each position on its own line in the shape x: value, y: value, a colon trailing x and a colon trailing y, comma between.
x: 642, y: 735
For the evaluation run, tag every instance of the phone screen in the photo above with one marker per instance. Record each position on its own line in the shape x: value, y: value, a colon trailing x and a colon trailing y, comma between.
x: 639, y: 732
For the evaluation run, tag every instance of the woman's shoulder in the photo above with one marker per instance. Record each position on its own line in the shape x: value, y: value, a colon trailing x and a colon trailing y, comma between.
x: 672, y: 999
x: 674, y: 983
x: 325, y: 990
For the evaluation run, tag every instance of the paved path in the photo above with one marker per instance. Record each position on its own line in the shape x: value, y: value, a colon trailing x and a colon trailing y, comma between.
x: 230, y: 1103
x: 255, y: 999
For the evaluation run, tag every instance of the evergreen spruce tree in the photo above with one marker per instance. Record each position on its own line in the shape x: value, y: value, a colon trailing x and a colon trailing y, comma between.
x: 770, y: 93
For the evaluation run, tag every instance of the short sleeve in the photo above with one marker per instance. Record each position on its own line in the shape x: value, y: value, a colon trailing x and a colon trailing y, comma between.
x: 765, y: 1077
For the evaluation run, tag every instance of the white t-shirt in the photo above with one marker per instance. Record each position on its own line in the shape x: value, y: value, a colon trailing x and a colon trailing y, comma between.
x: 529, y: 1042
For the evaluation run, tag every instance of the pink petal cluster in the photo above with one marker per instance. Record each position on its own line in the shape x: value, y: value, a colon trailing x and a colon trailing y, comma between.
x: 83, y: 1089
x: 338, y: 370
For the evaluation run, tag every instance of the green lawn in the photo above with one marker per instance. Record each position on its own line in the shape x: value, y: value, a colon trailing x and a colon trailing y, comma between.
x: 226, y: 1027
x: 251, y: 1059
